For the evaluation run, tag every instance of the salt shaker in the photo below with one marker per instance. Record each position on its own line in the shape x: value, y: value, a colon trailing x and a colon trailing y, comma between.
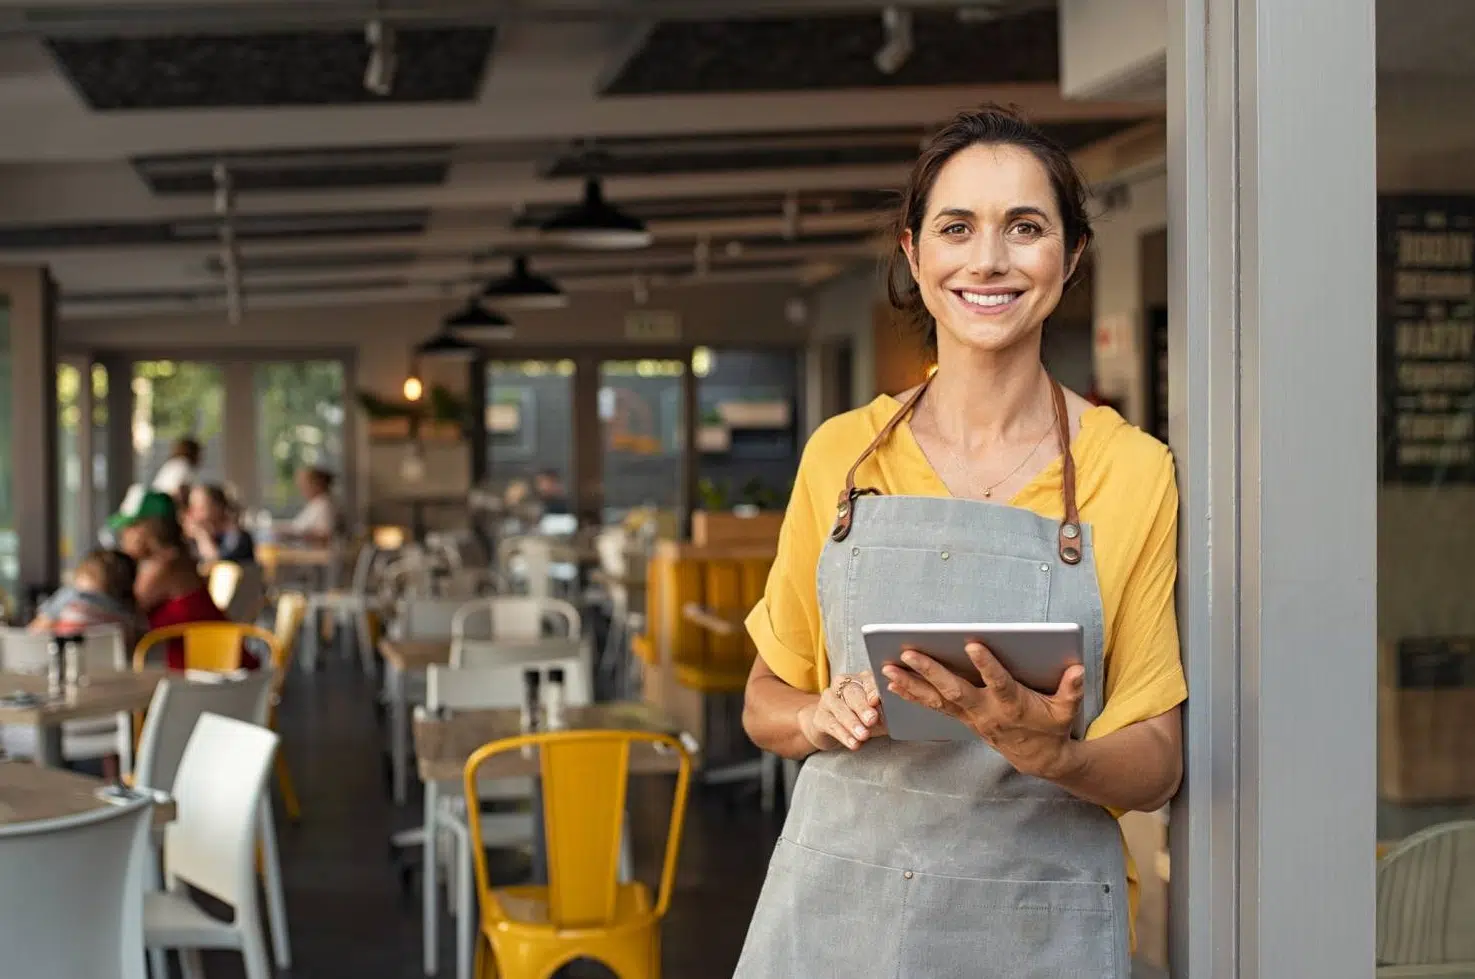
x: 554, y: 701
x: 531, y: 707
x: 73, y: 660
x: 55, y: 668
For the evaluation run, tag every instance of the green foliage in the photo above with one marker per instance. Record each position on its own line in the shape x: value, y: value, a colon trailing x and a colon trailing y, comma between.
x: 713, y: 496
x: 183, y: 398
x: 299, y: 415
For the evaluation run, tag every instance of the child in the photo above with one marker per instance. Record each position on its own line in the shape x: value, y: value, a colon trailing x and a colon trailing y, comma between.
x: 101, y: 593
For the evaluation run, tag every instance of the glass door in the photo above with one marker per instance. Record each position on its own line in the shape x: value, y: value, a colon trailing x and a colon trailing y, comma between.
x: 299, y: 409
x: 175, y: 400
x: 641, y: 437
x: 530, y: 433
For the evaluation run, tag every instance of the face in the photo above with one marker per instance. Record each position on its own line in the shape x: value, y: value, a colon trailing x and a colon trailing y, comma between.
x: 136, y: 542
x: 990, y: 257
x: 202, y: 510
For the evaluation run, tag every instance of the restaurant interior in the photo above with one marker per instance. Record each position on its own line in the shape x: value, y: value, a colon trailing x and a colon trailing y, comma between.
x: 539, y: 302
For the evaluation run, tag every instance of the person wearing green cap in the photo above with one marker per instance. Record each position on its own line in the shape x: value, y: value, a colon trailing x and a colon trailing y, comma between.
x: 140, y: 505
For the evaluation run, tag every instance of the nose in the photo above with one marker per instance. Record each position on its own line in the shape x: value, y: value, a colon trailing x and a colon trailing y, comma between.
x: 989, y: 255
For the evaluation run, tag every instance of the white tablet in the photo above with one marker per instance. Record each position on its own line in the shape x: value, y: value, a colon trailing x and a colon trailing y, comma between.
x: 1036, y: 654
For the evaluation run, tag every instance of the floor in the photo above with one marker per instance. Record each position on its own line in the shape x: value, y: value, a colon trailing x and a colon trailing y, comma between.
x: 349, y: 915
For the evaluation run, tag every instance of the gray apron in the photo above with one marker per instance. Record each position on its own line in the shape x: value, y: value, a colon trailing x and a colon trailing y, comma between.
x: 934, y: 860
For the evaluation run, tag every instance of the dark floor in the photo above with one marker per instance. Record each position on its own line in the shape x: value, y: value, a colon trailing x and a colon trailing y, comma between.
x: 347, y: 912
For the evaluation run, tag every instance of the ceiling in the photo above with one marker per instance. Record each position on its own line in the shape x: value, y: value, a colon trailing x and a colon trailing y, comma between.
x: 757, y: 138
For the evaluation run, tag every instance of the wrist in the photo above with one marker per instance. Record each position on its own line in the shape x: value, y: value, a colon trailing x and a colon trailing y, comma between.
x: 1065, y: 762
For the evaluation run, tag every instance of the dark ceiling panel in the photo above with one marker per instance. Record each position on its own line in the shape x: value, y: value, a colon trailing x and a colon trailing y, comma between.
x: 253, y: 70
x: 315, y: 262
x: 753, y: 158
x: 252, y: 227
x: 420, y: 166
x: 112, y: 296
x: 838, y: 52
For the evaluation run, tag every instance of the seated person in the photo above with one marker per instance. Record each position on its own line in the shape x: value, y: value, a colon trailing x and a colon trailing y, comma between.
x: 548, y: 485
x: 169, y: 588
x: 318, y: 522
x: 101, y: 594
x: 212, y: 524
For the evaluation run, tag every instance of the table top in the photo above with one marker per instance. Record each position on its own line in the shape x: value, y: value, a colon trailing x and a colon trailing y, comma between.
x: 442, y: 745
x: 291, y: 554
x: 412, y: 655
x: 29, y: 793
x: 103, y: 693
x: 724, y: 622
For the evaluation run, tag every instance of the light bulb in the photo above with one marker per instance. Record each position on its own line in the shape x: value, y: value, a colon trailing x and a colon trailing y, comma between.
x: 413, y: 388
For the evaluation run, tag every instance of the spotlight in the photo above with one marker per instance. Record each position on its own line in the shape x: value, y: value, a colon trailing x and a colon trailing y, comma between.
x: 897, y: 24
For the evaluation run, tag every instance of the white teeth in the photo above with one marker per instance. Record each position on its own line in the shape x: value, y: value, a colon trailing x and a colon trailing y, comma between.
x: 991, y: 299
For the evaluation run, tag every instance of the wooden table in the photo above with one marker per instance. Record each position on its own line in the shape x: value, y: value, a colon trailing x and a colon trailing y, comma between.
x: 442, y: 745
x: 30, y: 794
x: 411, y: 655
x: 101, y: 694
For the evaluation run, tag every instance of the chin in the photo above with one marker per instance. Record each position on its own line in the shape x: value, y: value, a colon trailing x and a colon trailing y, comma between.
x: 992, y: 338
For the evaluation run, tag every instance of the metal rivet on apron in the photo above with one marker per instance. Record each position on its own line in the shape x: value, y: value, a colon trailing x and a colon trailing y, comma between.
x: 1044, y: 567
x: 1070, y: 531
x: 855, y: 552
x: 907, y: 874
x: 944, y: 555
x: 844, y: 509
x: 1106, y: 888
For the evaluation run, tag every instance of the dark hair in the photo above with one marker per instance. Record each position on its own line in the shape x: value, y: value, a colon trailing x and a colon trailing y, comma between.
x: 166, y: 531
x: 188, y: 448
x: 115, y: 570
x: 989, y: 125
x: 217, y: 495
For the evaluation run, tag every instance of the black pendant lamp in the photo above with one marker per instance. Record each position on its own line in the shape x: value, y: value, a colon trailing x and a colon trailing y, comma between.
x: 445, y: 345
x: 594, y: 223
x: 474, y: 321
x: 524, y: 289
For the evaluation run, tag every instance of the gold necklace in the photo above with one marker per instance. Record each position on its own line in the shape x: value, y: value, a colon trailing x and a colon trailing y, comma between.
x: 988, y: 491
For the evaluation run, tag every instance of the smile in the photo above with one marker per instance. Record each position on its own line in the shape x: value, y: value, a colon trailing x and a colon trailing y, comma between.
x: 988, y: 302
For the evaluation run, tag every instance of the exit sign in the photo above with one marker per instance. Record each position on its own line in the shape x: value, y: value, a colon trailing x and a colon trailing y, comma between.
x: 652, y: 325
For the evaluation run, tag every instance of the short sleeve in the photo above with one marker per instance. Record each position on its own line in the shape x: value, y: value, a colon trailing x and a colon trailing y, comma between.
x: 785, y: 624
x: 1144, y: 666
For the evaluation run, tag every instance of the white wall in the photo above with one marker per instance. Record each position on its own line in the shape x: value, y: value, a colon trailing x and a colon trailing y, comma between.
x: 1113, y: 49
x: 1118, y: 290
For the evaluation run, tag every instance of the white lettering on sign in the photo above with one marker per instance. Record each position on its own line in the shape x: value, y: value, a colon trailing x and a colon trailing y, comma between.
x: 1436, y: 341
x: 1436, y: 249
x: 1434, y: 285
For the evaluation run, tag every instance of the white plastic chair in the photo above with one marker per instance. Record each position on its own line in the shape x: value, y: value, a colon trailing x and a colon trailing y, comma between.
x: 538, y: 561
x: 211, y: 846
x: 481, y: 687
x: 249, y: 598
x: 356, y: 603
x: 1426, y: 904
x: 103, y: 650
x: 173, y: 713
x: 70, y: 904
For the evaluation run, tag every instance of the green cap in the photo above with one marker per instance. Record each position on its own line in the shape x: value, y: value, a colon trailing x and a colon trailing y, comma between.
x: 144, y: 507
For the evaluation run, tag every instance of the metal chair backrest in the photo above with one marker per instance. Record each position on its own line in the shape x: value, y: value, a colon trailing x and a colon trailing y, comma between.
x: 1426, y: 901
x: 585, y: 774
x: 212, y: 646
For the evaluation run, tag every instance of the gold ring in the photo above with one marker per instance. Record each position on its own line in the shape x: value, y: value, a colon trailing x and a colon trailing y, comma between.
x: 840, y: 684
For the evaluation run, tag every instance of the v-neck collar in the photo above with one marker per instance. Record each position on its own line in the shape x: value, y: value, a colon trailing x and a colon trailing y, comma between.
x: 907, y: 442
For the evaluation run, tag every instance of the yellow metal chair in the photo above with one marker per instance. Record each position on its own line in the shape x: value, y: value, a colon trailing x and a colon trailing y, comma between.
x: 291, y: 610
x: 214, y: 647
x: 584, y: 912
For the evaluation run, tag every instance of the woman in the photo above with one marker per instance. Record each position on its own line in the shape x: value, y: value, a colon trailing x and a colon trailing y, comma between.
x: 169, y: 588
x: 214, y: 528
x: 987, y: 493
x: 317, y: 523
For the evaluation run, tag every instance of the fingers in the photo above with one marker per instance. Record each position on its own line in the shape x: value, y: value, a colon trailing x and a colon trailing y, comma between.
x: 873, y: 694
x: 912, y: 686
x: 858, y: 699
x: 836, y: 719
x: 1072, y: 688
x: 998, y: 680
x: 948, y: 684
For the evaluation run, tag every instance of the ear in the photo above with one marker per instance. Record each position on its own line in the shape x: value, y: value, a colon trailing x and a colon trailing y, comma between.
x: 909, y: 245
x: 1075, y: 259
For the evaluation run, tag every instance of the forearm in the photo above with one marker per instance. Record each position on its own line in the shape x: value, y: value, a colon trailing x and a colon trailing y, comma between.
x: 771, y: 716
x: 1137, y: 768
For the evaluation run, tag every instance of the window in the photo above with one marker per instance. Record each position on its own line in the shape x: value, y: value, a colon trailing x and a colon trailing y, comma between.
x: 71, y: 467
x: 747, y: 428
x: 640, y: 415
x: 299, y: 422
x: 174, y: 400
x: 9, y: 545
x: 530, y: 419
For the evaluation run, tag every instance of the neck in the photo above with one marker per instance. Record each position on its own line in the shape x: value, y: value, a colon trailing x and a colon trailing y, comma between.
x: 979, y: 399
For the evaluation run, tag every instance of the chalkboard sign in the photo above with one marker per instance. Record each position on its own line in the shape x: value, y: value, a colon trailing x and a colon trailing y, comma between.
x: 1426, y: 271
x: 1435, y: 662
x: 1157, y: 372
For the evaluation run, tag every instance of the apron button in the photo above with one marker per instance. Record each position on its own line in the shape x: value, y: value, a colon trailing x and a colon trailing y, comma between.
x: 1044, y: 567
x: 944, y: 555
x: 855, y: 552
x: 907, y: 874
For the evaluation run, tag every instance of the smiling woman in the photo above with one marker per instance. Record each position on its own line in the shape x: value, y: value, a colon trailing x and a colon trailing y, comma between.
x: 999, y: 856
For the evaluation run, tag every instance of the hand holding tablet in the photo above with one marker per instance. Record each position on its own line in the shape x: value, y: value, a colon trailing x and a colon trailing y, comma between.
x: 1005, y: 683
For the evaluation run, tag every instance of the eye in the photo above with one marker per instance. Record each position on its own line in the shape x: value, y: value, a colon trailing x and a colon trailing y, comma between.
x: 1026, y: 229
x: 955, y: 229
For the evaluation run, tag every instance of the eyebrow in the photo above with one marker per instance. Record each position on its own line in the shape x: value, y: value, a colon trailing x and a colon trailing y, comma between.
x: 1019, y: 211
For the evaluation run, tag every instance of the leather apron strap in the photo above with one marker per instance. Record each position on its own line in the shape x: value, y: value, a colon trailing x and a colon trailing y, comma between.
x: 1070, y: 524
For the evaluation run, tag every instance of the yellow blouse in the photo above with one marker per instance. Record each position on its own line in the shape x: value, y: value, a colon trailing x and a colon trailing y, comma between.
x: 1126, y: 491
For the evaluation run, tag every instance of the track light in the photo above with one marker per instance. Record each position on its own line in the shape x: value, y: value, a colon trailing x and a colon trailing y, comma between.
x: 897, y: 23
x: 230, y: 259
x: 379, y: 72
